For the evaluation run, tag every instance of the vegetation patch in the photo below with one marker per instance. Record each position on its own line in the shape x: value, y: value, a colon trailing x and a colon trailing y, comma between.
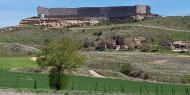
x: 14, y: 49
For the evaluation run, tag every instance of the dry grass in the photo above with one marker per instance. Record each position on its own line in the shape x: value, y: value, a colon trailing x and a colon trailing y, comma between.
x: 163, y: 67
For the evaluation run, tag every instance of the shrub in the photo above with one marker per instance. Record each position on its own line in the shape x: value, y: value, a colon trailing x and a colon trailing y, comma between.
x: 185, y: 78
x: 97, y: 33
x: 139, y: 74
x: 126, y: 69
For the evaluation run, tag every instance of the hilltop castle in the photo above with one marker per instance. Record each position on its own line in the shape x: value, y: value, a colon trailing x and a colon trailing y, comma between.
x: 65, y: 17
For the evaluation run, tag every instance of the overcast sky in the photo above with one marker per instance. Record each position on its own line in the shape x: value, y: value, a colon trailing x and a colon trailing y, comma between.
x: 12, y: 11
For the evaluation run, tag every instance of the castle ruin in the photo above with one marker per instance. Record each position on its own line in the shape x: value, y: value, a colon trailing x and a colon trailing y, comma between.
x: 66, y: 17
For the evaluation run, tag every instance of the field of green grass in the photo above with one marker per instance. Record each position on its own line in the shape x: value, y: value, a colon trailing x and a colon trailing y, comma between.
x: 17, y: 62
x: 10, y: 79
x: 26, y: 80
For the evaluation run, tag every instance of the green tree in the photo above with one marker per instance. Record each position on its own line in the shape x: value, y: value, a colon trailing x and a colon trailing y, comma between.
x: 60, y: 55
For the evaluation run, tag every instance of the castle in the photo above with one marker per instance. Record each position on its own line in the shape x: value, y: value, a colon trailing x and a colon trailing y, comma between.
x: 66, y: 17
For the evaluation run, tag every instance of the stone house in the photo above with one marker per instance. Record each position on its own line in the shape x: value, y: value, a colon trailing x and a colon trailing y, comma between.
x: 176, y: 45
x: 180, y: 46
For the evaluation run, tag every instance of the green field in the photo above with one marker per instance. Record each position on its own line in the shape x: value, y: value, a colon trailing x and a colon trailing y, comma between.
x: 17, y: 62
x: 26, y: 80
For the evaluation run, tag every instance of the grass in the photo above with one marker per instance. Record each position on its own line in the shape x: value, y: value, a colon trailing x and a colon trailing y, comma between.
x: 17, y: 62
x: 36, y: 36
x: 180, y: 36
x: 175, y: 22
x: 26, y: 80
x: 168, y: 70
x: 80, y: 83
x: 14, y: 49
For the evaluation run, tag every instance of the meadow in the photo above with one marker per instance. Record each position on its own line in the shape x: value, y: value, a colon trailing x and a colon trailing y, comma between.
x: 26, y: 80
x: 17, y: 62
x: 9, y: 79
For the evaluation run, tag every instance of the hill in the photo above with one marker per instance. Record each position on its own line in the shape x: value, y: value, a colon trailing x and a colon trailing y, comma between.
x: 14, y: 49
x: 175, y: 22
x: 146, y: 67
x: 91, y: 36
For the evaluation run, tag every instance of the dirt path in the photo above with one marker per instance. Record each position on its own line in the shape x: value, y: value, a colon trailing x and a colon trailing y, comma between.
x: 137, y: 53
x: 5, y: 92
x: 121, y: 25
x: 92, y: 72
x: 34, y: 59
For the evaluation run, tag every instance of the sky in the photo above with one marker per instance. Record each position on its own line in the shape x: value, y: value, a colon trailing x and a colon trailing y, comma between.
x: 12, y: 11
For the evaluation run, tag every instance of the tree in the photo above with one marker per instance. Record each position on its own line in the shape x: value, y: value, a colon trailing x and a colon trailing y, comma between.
x: 61, y: 55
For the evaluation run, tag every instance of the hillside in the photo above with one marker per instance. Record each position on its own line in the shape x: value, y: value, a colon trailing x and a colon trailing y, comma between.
x: 33, y: 35
x: 175, y: 22
x: 154, y: 70
x: 14, y: 49
x: 90, y: 36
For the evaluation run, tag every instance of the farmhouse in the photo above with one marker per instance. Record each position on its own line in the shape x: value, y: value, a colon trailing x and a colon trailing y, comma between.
x: 66, y: 17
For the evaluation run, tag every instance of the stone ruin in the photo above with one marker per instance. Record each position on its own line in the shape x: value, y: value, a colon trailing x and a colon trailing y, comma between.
x: 68, y: 17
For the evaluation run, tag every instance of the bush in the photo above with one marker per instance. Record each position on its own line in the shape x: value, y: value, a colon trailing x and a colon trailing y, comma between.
x: 185, y: 79
x: 88, y: 43
x: 97, y: 33
x: 139, y: 74
x: 126, y: 69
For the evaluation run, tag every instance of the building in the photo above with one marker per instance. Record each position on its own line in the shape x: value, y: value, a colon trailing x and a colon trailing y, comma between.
x: 65, y: 17
x: 176, y: 46
x: 180, y: 46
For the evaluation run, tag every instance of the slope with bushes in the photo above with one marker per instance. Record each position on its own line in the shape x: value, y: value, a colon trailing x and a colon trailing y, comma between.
x: 174, y: 22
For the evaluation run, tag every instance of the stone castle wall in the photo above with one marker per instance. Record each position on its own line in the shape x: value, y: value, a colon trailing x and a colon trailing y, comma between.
x: 68, y: 17
x: 120, y: 11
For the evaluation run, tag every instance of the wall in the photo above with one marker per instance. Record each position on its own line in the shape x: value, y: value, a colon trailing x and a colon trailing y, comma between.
x: 122, y: 11
x: 142, y: 9
x: 119, y: 11
x: 63, y: 11
x: 89, y: 12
